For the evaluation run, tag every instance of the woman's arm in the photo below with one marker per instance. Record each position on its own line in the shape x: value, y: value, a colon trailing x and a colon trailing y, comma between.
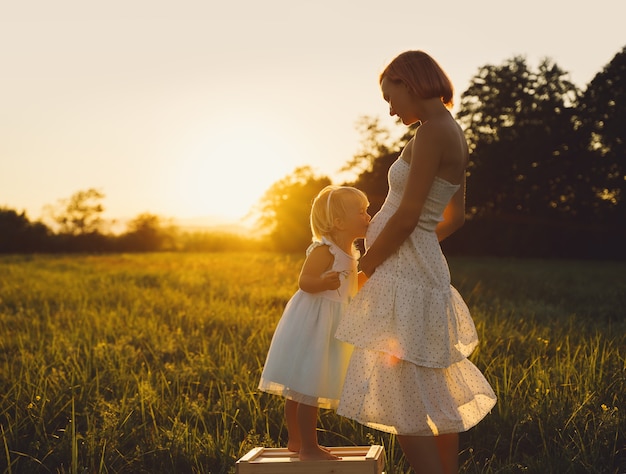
x: 453, y: 215
x: 426, y: 149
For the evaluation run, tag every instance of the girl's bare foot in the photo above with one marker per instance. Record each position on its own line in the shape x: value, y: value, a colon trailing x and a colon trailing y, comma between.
x: 295, y: 447
x: 317, y: 453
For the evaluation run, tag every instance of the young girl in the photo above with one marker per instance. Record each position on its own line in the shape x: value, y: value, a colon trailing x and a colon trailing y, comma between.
x: 305, y: 363
x: 412, y: 332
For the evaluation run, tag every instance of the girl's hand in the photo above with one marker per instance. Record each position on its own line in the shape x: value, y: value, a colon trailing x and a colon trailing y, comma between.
x: 331, y: 280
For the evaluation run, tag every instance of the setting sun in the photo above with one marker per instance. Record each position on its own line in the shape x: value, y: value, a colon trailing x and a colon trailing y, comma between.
x: 230, y: 171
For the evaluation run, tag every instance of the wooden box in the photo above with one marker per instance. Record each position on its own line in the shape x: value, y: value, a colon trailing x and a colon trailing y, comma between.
x: 354, y: 460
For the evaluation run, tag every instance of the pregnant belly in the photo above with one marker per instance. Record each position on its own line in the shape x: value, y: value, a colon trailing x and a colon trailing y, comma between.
x: 376, y: 225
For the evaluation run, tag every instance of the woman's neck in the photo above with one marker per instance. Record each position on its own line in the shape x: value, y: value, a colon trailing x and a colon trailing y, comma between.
x: 432, y: 109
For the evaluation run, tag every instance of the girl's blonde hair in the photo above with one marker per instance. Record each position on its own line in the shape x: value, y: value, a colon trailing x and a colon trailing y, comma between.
x: 421, y: 74
x: 329, y: 204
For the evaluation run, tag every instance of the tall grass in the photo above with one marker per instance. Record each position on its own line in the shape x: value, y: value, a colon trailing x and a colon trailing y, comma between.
x: 149, y: 363
x: 554, y: 348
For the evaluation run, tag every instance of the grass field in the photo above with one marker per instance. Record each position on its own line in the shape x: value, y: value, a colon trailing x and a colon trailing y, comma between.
x: 149, y: 363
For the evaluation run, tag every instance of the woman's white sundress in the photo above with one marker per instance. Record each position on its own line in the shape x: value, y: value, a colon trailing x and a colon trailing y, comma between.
x: 412, y: 331
x: 305, y: 362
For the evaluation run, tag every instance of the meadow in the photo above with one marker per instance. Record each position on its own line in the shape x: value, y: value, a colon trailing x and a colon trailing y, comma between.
x: 149, y: 363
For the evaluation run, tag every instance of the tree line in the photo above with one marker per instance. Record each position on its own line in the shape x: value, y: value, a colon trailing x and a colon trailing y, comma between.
x: 81, y: 228
x: 546, y: 178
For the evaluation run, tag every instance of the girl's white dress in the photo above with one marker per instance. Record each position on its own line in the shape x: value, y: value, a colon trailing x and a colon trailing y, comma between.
x: 305, y: 361
x: 409, y: 373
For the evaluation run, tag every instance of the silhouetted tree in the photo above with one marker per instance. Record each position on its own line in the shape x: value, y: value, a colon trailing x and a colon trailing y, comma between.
x: 148, y: 233
x: 519, y: 124
x: 19, y: 235
x: 80, y: 214
x: 602, y: 120
x: 375, y: 142
x: 285, y: 208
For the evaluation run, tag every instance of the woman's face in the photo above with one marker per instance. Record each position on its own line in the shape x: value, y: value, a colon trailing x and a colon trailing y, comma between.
x: 400, y: 100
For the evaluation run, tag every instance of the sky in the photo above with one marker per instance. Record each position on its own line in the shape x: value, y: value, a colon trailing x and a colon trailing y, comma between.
x: 194, y: 108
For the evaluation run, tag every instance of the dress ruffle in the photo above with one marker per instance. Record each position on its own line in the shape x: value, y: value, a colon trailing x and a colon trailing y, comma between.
x: 440, y: 321
x: 305, y: 362
x: 399, y: 397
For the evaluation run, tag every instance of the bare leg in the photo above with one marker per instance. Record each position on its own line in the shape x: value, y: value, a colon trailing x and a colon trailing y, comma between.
x: 310, y: 450
x: 293, y: 430
x: 422, y: 454
x: 448, y: 446
x: 432, y: 454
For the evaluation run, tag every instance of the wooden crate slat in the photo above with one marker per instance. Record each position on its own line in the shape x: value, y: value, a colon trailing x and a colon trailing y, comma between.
x: 354, y: 460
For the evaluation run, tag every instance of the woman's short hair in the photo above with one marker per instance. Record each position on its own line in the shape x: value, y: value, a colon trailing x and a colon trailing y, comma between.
x: 421, y: 74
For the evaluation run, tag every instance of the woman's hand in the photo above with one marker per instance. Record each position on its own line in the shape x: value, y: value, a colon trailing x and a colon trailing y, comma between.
x: 366, y: 267
x: 361, y: 279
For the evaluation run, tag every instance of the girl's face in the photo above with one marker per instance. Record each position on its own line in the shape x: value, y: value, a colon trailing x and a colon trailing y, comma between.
x: 401, y: 101
x: 356, y: 219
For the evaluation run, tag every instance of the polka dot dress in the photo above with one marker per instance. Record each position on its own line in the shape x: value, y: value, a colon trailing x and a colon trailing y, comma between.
x: 412, y: 331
